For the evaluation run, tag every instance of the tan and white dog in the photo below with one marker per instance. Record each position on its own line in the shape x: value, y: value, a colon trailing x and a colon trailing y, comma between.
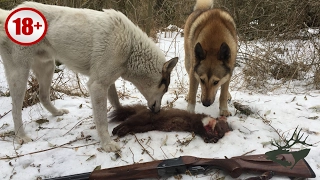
x: 104, y: 45
x: 210, y: 54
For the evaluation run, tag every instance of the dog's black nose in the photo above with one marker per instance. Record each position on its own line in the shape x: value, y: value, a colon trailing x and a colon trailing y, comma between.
x: 154, y: 109
x: 206, y: 103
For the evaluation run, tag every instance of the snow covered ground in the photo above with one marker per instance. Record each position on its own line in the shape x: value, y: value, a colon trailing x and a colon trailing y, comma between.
x: 69, y: 144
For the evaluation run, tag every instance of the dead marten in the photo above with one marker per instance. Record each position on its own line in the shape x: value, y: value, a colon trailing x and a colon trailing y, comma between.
x: 139, y: 118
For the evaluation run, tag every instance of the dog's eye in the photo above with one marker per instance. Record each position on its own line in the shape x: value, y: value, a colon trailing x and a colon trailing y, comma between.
x: 202, y: 81
x: 215, y: 82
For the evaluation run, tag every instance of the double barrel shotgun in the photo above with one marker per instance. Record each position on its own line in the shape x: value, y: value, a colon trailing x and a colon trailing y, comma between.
x: 234, y: 166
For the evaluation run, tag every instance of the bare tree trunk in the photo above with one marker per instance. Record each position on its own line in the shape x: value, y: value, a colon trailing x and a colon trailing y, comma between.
x: 149, y: 18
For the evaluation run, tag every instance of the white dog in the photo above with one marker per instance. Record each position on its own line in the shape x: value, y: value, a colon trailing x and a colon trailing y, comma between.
x: 102, y: 45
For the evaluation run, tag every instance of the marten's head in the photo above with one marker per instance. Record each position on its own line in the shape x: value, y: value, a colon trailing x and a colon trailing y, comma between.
x: 215, y: 128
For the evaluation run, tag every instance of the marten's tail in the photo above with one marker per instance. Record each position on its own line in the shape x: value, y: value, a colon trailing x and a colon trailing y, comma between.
x: 203, y: 5
x: 122, y: 113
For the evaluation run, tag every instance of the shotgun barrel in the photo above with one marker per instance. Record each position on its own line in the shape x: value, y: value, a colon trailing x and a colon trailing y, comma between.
x: 82, y: 176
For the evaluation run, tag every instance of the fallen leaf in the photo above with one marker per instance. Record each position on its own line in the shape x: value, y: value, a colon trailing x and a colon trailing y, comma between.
x: 91, y: 157
x: 97, y: 168
x: 10, y: 133
x: 267, y: 113
x: 51, y: 145
x: 244, y: 109
x: 59, y: 119
x: 316, y: 108
x: 164, y: 142
x: 264, y: 144
x: 311, y: 132
x: 313, y: 118
x: 41, y: 121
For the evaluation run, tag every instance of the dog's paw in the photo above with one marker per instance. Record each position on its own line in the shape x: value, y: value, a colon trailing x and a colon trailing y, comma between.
x: 23, y: 139
x: 225, y: 113
x: 61, y: 112
x: 191, y: 108
x: 111, y: 146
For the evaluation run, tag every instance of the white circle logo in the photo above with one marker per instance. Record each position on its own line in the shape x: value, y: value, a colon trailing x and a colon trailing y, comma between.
x: 26, y: 26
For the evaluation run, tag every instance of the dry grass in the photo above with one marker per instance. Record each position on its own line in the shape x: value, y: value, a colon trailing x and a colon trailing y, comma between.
x: 266, y: 65
x: 263, y: 67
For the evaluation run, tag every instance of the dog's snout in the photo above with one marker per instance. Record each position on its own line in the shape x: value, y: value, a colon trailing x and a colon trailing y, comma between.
x: 154, y: 108
x: 206, y: 103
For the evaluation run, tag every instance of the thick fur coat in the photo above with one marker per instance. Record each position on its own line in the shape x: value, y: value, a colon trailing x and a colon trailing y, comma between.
x: 104, y: 45
x: 138, y: 118
x: 210, y: 54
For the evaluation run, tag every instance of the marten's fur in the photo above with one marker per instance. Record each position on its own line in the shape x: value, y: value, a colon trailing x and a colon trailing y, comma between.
x: 139, y: 118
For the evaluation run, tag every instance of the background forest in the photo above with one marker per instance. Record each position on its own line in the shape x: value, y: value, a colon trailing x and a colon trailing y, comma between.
x: 283, y: 26
x: 273, y: 35
x: 254, y: 18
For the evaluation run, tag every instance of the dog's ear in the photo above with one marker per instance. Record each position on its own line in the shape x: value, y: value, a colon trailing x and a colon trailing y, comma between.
x: 224, y: 53
x: 169, y: 65
x: 199, y: 52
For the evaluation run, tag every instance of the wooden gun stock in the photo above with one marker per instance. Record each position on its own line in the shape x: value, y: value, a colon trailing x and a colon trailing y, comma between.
x: 194, y: 165
x: 259, y: 163
x: 234, y: 166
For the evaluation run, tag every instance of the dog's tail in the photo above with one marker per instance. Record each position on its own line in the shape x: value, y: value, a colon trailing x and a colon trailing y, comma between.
x: 122, y: 113
x: 203, y: 5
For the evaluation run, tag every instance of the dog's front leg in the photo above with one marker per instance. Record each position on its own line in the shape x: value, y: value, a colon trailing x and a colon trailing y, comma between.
x: 193, y: 87
x: 98, y: 93
x: 224, y: 97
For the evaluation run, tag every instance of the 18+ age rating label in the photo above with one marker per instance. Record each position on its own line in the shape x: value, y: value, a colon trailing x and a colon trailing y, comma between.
x: 26, y: 26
